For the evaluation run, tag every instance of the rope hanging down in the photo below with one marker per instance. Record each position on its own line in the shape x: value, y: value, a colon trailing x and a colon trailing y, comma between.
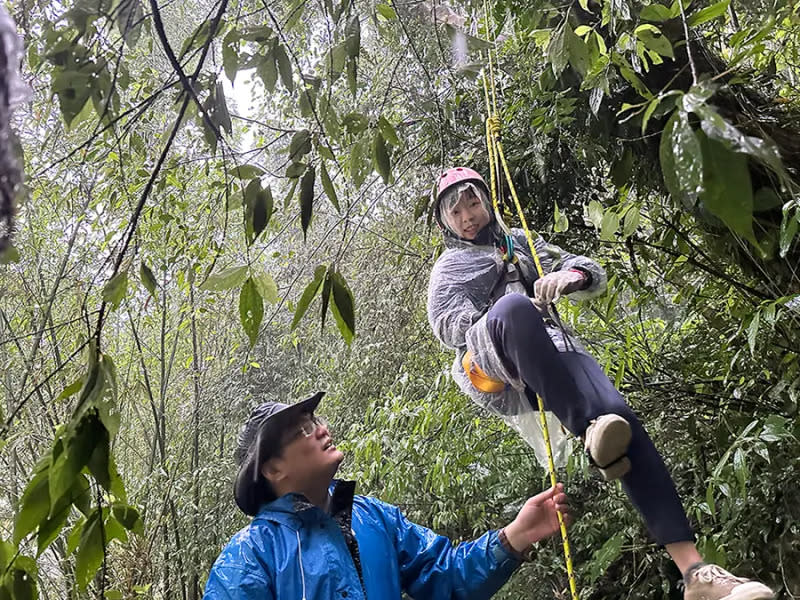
x: 498, y: 167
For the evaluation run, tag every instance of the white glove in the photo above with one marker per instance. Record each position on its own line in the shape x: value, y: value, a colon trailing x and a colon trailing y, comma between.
x: 549, y: 288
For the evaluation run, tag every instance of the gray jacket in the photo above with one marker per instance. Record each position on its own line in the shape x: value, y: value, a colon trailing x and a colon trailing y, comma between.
x: 459, y: 294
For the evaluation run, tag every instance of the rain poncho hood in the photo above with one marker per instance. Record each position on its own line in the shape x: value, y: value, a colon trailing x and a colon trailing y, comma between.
x: 466, y: 279
x: 293, y: 550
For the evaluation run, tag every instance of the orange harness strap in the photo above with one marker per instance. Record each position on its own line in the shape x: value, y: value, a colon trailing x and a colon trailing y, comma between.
x: 479, y: 378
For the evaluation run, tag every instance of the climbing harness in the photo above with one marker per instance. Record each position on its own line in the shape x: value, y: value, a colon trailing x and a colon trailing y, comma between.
x: 479, y: 378
x: 498, y: 167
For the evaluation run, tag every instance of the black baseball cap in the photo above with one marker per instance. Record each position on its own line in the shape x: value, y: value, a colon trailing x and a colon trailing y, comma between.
x: 259, y: 439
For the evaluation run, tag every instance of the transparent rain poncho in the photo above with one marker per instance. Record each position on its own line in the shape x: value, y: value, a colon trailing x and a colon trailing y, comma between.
x: 460, y: 293
x: 17, y: 90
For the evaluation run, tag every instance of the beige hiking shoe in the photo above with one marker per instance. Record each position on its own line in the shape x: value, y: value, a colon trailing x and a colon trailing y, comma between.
x: 710, y: 582
x: 606, y: 440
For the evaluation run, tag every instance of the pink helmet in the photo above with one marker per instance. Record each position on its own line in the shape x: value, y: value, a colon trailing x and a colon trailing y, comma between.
x: 457, y: 175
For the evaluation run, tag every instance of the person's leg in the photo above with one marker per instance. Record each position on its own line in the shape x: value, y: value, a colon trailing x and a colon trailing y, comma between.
x: 575, y: 388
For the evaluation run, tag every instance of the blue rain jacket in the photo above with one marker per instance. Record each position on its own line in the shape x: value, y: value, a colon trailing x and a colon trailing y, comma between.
x: 291, y: 554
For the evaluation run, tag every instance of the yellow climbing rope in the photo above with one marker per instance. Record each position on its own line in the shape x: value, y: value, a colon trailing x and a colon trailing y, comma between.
x: 497, y: 168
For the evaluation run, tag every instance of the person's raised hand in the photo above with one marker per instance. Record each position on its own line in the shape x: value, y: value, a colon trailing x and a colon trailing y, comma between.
x: 537, y: 519
x: 549, y: 288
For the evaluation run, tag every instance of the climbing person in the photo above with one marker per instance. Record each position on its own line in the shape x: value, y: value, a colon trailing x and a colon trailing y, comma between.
x: 486, y: 302
x: 312, y: 538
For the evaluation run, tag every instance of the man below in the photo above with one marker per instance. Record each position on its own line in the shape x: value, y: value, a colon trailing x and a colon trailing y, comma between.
x: 311, y: 538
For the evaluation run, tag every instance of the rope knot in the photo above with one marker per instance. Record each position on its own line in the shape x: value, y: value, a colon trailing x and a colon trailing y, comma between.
x: 493, y: 123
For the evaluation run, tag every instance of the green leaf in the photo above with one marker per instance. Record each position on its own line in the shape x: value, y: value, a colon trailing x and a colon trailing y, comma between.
x: 267, y: 70
x: 307, y: 198
x: 656, y: 13
x: 115, y: 290
x: 343, y: 308
x: 267, y: 288
x: 290, y: 193
x: 90, y: 550
x: 606, y: 555
x: 74, y: 537
x: 52, y: 526
x: 353, y: 37
x: 258, y: 205
x: 386, y: 11
x: 654, y: 40
x: 148, y: 279
x: 354, y: 123
x: 728, y: 190
x: 766, y: 199
x: 352, y: 76
x: 72, y: 388
x: 251, y: 309
x: 388, y: 132
x: 284, y: 67
x: 128, y: 516
x: 308, y: 295
x: 558, y: 50
x: 326, y: 294
x: 578, y: 51
x: 380, y: 157
x: 230, y: 54
x: 300, y: 145
x: 335, y: 61
x: 327, y: 185
x: 631, y: 221
x: 789, y: 227
x: 681, y: 159
x: 609, y: 226
x: 225, y: 279
x: 294, y: 170
x: 100, y: 460
x: 248, y: 172
x: 709, y: 13
x: 34, y: 506
x: 130, y: 16
x: 622, y: 169
x: 76, y: 449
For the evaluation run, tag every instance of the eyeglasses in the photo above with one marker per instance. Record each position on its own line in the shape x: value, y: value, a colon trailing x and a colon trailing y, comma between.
x: 308, y: 428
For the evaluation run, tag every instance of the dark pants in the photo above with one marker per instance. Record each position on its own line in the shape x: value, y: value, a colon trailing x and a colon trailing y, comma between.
x: 575, y: 388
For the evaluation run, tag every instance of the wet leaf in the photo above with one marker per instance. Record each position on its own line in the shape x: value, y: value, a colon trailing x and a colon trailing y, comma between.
x: 225, y: 279
x: 308, y: 295
x: 326, y: 294
x: 267, y: 70
x: 327, y: 185
x: 148, y: 279
x: 300, y: 145
x: 307, y: 198
x: 709, y: 13
x: 251, y: 309
x: 343, y: 308
x: 728, y: 191
x: 380, y: 157
x: 284, y: 67
x: 681, y: 159
x: 116, y: 289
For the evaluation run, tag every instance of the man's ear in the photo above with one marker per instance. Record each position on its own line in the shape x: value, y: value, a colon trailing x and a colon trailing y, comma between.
x: 274, y: 470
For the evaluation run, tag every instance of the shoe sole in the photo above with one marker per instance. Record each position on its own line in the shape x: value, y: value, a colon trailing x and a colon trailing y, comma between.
x: 752, y: 590
x: 610, y: 439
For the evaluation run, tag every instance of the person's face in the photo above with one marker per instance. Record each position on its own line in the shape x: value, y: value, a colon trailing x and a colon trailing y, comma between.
x: 308, y: 456
x: 468, y: 216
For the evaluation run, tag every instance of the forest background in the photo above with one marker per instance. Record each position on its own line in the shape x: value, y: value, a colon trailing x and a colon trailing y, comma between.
x: 229, y: 201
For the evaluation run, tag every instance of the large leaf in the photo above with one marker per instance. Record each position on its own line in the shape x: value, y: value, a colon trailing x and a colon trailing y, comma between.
x: 115, y: 290
x: 148, y: 279
x: 130, y: 16
x: 577, y: 51
x: 76, y: 449
x: 656, y: 13
x: 266, y: 287
x: 230, y: 54
x: 251, y: 309
x: 558, y: 50
x: 380, y: 157
x: 308, y: 295
x: 267, y: 70
x: 353, y: 36
x: 326, y: 294
x: 90, y: 549
x: 681, y: 159
x: 284, y: 67
x: 300, y: 145
x: 225, y: 279
x: 653, y: 39
x: 128, y: 516
x: 343, y: 308
x: 789, y: 227
x: 327, y: 185
x: 388, y: 132
x: 709, y: 13
x: 307, y: 198
x: 34, y: 506
x: 728, y: 189
x: 258, y: 205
